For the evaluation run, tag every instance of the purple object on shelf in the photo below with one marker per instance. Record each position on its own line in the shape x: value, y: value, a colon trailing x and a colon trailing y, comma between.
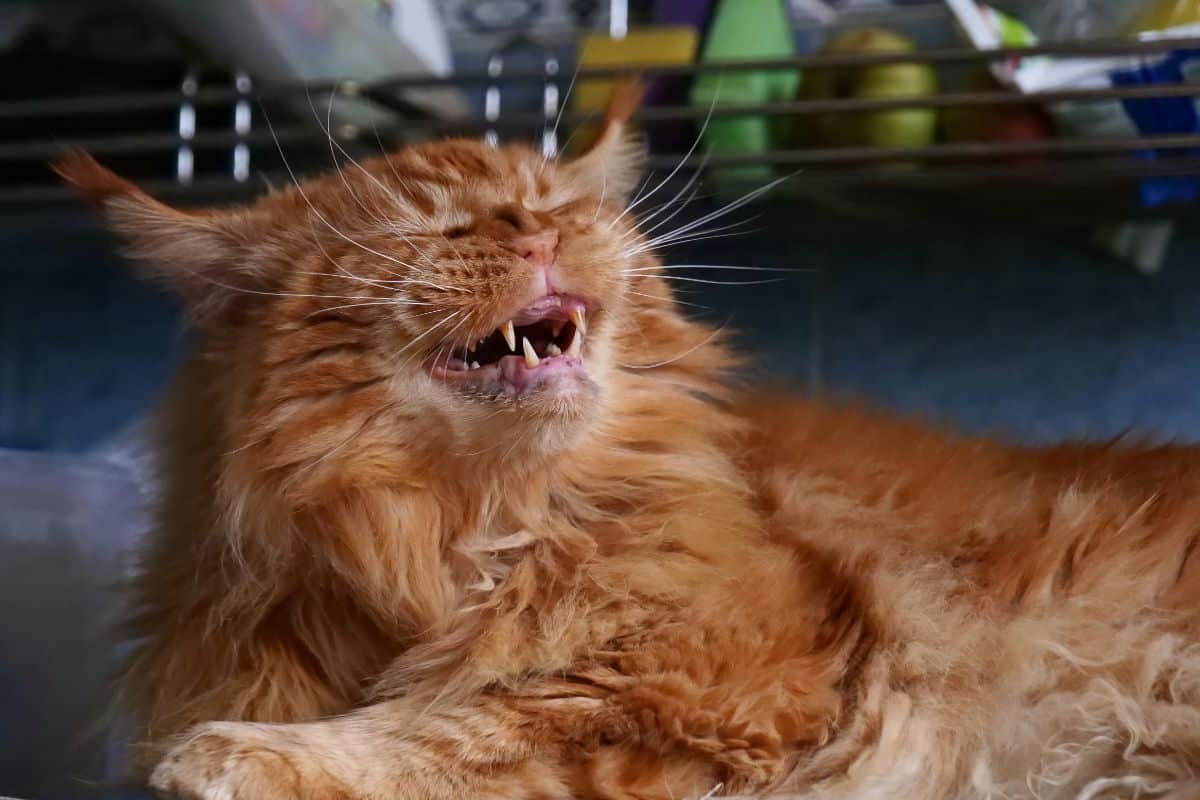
x: 682, y: 12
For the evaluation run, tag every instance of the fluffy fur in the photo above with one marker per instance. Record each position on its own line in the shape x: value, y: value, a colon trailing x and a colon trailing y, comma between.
x: 640, y: 584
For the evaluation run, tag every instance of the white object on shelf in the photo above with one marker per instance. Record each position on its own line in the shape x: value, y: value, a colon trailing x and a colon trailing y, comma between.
x: 298, y: 41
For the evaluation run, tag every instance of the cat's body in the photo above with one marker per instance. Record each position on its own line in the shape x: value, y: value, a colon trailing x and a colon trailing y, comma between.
x: 601, y: 572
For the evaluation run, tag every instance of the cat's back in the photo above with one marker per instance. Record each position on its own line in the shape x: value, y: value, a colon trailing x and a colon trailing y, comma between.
x: 1026, y: 526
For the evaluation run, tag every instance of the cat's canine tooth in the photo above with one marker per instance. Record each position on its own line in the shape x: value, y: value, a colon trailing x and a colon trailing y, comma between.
x: 510, y: 335
x: 579, y: 317
x: 553, y: 350
x: 576, y: 348
x: 531, y: 356
x: 474, y: 365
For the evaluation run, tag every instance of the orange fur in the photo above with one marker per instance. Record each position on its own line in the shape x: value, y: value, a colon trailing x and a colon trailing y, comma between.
x: 363, y: 584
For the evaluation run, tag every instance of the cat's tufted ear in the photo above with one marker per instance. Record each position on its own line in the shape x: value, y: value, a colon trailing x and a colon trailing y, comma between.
x: 201, y: 255
x: 616, y: 159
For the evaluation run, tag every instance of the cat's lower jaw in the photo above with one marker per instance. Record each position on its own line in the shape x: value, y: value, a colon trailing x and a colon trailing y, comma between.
x: 513, y: 376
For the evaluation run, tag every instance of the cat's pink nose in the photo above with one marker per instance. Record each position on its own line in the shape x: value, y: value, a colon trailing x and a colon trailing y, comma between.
x: 539, y: 249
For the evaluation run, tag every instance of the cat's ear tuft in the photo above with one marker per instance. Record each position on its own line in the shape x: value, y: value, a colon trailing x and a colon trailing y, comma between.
x: 198, y: 254
x: 90, y: 180
x: 617, y: 158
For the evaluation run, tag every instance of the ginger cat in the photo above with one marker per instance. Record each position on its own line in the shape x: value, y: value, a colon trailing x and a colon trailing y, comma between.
x: 458, y: 505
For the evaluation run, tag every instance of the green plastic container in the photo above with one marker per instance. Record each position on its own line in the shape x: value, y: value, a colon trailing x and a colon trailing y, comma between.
x: 742, y: 30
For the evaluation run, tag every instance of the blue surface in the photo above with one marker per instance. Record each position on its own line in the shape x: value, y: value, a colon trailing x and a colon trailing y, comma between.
x: 84, y: 348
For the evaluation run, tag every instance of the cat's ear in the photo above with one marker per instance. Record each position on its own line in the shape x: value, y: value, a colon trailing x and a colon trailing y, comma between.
x: 201, y: 255
x: 617, y: 158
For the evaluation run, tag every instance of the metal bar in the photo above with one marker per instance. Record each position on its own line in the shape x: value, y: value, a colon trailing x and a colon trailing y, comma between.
x: 200, y: 187
x: 125, y: 103
x: 978, y: 176
x: 144, y: 101
x: 957, y: 151
x: 141, y: 143
x: 797, y: 157
x: 956, y: 55
x: 846, y: 105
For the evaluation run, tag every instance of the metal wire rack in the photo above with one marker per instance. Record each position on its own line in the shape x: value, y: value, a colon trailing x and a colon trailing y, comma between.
x: 208, y: 138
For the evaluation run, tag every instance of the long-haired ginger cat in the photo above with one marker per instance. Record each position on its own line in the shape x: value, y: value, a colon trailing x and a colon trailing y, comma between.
x: 458, y: 505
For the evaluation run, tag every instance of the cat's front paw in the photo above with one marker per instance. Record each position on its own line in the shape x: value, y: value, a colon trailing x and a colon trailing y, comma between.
x: 241, y: 761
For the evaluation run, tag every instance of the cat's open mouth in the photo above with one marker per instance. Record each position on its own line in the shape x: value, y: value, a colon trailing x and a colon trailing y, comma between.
x: 543, y: 341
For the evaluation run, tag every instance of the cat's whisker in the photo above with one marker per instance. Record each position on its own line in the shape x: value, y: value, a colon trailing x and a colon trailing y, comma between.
x: 416, y: 339
x: 676, y: 199
x: 707, y: 237
x: 328, y: 309
x: 387, y: 191
x: 333, y: 228
x: 721, y: 231
x: 675, y: 236
x: 453, y: 315
x: 262, y: 293
x: 699, y: 137
x: 683, y: 279
x: 674, y: 300
x: 728, y: 208
x: 327, y: 129
x: 343, y: 272
x: 562, y: 106
x: 641, y: 230
x: 653, y: 269
x: 716, y: 332
x: 603, y: 195
x: 349, y: 276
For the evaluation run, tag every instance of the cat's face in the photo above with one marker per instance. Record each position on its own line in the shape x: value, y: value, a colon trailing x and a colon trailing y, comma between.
x: 486, y: 290
x: 512, y: 272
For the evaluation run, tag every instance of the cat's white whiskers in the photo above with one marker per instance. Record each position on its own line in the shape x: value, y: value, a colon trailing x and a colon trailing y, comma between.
x: 673, y: 300
x: 387, y: 190
x: 328, y: 309
x: 340, y: 268
x: 682, y: 205
x: 722, y: 232
x: 413, y: 342
x: 562, y: 106
x: 448, y: 318
x: 649, y: 270
x: 716, y: 332
x: 699, y: 137
x: 682, y: 279
x: 712, y: 216
x: 341, y: 234
x: 603, y: 195
x: 333, y: 228
x: 327, y: 129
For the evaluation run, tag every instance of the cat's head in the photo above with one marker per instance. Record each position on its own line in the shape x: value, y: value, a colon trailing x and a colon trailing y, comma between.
x: 487, y: 292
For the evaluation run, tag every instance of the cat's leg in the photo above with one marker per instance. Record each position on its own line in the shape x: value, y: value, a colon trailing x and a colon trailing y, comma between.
x: 496, y: 747
x: 656, y: 721
x: 556, y: 748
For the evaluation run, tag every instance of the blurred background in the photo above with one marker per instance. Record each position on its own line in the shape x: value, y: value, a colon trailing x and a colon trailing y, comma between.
x: 984, y: 214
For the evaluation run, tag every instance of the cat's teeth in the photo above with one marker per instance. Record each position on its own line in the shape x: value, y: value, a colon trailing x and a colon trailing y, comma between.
x: 531, y: 356
x: 553, y: 350
x: 579, y: 317
x: 474, y: 365
x: 510, y: 335
x: 576, y: 347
